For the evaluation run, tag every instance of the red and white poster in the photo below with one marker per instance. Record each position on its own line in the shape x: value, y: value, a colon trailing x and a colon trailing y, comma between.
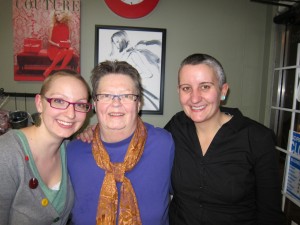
x: 46, y: 37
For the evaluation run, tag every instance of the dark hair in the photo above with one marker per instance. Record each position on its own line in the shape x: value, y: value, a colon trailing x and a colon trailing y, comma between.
x: 115, y: 67
x: 198, y: 58
x: 63, y: 73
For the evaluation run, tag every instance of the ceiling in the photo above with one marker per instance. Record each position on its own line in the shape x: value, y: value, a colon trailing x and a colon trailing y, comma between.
x: 288, y: 11
x: 287, y: 3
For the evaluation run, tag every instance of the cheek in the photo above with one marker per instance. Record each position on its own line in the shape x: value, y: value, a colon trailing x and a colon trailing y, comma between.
x: 49, y: 112
x: 48, y: 117
x: 212, y: 96
x: 101, y: 111
x: 100, y: 107
x: 81, y: 116
x: 215, y: 97
x: 183, y: 98
x: 133, y: 110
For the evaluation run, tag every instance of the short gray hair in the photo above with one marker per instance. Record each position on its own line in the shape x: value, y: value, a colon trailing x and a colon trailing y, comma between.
x: 199, y: 58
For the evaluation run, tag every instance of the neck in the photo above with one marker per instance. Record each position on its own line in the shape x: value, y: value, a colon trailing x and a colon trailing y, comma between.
x: 213, y: 125
x: 40, y: 143
x: 114, y: 135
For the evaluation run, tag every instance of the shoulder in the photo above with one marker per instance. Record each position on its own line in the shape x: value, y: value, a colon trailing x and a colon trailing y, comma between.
x: 11, y: 134
x: 258, y: 132
x: 75, y: 146
x: 241, y: 122
x: 9, y: 142
x: 159, y: 137
x: 260, y: 138
x: 179, y: 120
x: 179, y: 116
x: 12, y: 157
x: 256, y: 126
x: 160, y: 143
x: 181, y: 126
x: 157, y: 131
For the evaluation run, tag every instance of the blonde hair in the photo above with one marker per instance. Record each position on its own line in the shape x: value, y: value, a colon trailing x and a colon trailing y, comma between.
x: 66, y: 16
x: 47, y: 84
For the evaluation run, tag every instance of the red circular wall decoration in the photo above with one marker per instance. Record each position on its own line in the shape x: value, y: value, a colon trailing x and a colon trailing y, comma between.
x: 131, y: 8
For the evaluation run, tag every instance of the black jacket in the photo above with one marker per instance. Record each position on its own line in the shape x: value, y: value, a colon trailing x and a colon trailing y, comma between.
x: 236, y: 182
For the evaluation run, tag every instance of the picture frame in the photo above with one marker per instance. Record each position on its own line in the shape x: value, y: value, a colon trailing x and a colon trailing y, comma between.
x: 145, y: 49
x: 33, y: 26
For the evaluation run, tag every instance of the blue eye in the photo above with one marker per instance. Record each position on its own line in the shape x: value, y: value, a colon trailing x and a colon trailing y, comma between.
x: 82, y: 106
x: 58, y: 101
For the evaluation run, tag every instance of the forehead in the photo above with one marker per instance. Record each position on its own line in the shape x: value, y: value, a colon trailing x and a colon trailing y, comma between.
x: 197, y: 73
x: 119, y: 81
x: 116, y: 38
x: 65, y: 83
x: 58, y: 12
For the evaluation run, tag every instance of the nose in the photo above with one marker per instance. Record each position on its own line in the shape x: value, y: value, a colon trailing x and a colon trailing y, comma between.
x: 116, y: 100
x: 116, y: 97
x: 70, y: 111
x: 196, y: 96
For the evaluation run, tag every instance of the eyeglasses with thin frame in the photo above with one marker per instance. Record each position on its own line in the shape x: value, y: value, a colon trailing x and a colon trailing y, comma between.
x: 108, y: 98
x: 58, y: 103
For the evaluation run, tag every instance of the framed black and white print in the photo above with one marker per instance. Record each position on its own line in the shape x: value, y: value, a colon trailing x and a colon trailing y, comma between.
x: 144, y: 49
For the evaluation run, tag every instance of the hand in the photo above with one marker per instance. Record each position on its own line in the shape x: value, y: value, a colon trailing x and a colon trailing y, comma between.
x: 87, y: 134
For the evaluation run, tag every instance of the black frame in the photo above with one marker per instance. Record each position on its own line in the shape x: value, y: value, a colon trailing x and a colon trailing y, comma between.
x: 145, y: 49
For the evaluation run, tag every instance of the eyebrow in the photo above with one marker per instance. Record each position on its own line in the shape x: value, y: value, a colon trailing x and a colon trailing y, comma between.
x: 208, y: 82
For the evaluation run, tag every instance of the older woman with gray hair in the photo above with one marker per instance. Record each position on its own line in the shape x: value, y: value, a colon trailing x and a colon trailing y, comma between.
x: 123, y: 175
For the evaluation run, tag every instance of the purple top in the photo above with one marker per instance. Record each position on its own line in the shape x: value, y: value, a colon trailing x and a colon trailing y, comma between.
x: 150, y: 178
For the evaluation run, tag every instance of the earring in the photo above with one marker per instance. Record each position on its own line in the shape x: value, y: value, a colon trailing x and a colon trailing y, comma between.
x: 223, y: 97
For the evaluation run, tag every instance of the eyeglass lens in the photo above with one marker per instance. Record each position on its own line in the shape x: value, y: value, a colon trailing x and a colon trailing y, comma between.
x: 63, y: 104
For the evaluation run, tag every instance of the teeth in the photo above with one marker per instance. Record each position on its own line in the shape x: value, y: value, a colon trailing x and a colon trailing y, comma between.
x: 116, y: 114
x: 64, y: 123
x: 198, y: 108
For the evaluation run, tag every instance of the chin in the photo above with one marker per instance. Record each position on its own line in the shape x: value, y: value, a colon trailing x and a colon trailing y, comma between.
x: 116, y: 127
x: 66, y: 133
x: 197, y: 119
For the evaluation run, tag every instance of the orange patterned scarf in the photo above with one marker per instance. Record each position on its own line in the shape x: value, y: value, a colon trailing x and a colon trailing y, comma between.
x: 108, y: 200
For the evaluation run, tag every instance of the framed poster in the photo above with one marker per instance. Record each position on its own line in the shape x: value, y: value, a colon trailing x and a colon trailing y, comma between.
x: 46, y: 38
x: 144, y: 49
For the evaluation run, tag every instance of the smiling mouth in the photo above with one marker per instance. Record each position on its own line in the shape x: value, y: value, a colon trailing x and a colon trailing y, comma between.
x: 198, y: 107
x: 64, y: 123
x: 116, y: 114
